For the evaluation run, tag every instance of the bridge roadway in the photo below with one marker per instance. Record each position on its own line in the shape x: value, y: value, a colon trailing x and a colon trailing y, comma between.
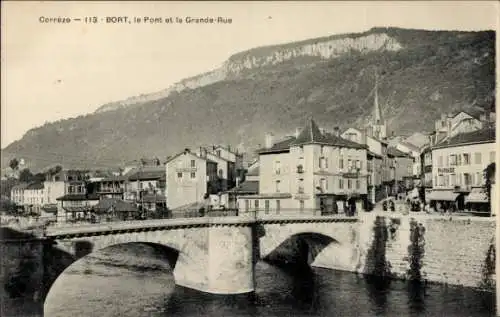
x: 161, y: 224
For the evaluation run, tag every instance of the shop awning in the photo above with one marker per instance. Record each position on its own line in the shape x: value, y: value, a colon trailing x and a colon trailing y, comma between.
x: 477, y: 195
x: 442, y: 195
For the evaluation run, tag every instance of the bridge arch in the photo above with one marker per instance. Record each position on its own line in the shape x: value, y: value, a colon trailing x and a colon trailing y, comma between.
x: 63, y: 251
x: 136, y: 256
x: 330, y: 245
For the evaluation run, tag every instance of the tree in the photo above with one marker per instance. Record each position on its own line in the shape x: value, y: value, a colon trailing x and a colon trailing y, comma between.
x: 25, y: 176
x: 489, y: 175
x: 14, y: 164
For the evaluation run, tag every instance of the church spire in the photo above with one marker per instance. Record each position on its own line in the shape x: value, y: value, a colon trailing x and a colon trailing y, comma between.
x: 377, y: 114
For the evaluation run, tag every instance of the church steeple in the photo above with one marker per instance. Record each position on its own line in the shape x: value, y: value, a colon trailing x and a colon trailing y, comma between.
x: 377, y: 122
x: 377, y: 114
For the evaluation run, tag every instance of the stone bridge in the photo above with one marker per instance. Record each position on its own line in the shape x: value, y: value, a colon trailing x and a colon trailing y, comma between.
x: 218, y: 255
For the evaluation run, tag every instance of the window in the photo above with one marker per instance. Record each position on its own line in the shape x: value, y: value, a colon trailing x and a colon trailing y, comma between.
x: 221, y: 173
x: 256, y: 202
x: 277, y: 186
x: 467, y: 179
x: 277, y: 167
x: 358, y: 164
x: 440, y: 161
x: 323, y: 184
x: 453, y: 179
x: 349, y: 184
x: 322, y: 150
x: 492, y: 156
x: 435, y: 181
x: 193, y: 163
x: 323, y: 163
x: 266, y: 206
x: 193, y: 175
x: 459, y: 160
x: 278, y: 206
x: 453, y: 160
x: 358, y: 184
x: 341, y: 162
x: 349, y: 164
x: 218, y: 152
x: 179, y: 175
x: 477, y: 158
x: 301, y: 186
x: 479, y: 178
x: 247, y: 205
x: 466, y: 159
x: 301, y: 205
x: 341, y: 183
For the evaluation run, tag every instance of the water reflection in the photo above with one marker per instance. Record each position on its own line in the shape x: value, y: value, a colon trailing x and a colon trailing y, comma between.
x: 281, y: 291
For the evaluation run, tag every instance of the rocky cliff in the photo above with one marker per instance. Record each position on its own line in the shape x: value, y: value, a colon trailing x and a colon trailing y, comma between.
x: 327, y: 48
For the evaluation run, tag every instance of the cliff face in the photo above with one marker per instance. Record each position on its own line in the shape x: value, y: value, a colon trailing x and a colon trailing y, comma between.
x: 274, y: 89
x: 322, y: 48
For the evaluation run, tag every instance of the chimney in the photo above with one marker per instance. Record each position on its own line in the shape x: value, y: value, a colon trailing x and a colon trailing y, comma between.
x: 269, y: 141
x: 186, y: 150
x: 297, y: 132
x: 336, y: 131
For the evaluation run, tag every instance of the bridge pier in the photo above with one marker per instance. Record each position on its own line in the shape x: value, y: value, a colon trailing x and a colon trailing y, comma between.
x: 222, y: 264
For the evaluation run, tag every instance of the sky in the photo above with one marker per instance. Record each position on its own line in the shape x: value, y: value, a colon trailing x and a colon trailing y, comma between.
x: 53, y: 71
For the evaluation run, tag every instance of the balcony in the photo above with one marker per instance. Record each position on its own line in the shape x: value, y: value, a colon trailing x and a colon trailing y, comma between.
x: 462, y: 188
x: 110, y: 190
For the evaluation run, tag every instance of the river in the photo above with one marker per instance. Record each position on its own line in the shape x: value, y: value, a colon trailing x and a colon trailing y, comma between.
x: 134, y: 280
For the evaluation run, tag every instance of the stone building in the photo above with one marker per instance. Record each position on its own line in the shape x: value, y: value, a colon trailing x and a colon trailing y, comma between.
x: 312, y: 171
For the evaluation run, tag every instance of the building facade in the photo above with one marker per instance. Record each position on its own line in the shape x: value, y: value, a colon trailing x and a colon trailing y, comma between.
x: 312, y: 172
x: 189, y: 178
x: 458, y: 167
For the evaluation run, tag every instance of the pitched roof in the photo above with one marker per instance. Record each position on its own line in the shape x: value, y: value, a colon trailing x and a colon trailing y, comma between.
x: 480, y: 136
x: 20, y: 186
x: 311, y: 134
x: 392, y: 151
x: 374, y: 154
x: 147, y: 173
x: 247, y: 187
x: 227, y: 149
x: 170, y: 159
x: 35, y: 186
x: 119, y: 205
x: 417, y: 139
x: 410, y: 146
x: 151, y: 198
x: 281, y: 146
x: 254, y: 171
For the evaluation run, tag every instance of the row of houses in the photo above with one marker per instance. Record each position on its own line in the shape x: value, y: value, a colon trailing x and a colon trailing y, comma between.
x: 333, y: 171
x: 74, y: 194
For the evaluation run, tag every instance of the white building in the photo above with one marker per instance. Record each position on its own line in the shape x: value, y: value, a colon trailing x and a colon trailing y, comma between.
x: 312, y: 172
x: 458, y: 166
x: 189, y: 178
